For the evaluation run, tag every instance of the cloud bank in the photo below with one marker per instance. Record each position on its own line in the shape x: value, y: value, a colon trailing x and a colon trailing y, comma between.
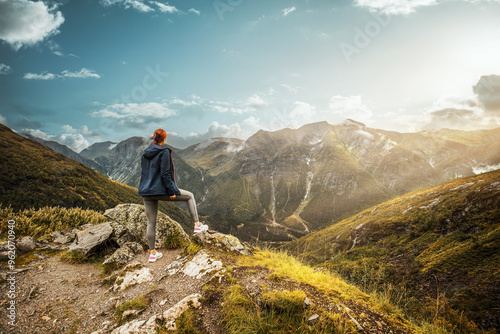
x: 403, y: 7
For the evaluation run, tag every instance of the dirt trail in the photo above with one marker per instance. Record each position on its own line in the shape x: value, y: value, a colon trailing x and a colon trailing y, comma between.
x: 70, y: 298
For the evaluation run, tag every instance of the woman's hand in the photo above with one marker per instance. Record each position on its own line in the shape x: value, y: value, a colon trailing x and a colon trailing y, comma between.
x: 172, y: 197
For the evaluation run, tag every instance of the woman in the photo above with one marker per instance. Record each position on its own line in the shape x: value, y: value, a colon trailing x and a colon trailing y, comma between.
x: 158, y: 184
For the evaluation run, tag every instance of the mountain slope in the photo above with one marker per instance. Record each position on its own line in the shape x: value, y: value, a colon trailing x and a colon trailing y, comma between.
x: 35, y: 176
x: 66, y: 151
x: 440, y: 242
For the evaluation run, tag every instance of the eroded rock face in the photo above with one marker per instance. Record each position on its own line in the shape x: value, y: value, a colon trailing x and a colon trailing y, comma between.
x: 224, y: 241
x: 91, y: 238
x: 132, y: 218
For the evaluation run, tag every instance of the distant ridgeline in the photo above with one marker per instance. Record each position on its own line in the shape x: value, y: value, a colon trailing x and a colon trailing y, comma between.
x: 442, y: 244
x: 279, y: 186
x: 34, y: 176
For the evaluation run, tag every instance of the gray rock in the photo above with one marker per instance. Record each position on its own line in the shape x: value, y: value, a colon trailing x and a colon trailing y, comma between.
x: 26, y: 244
x: 133, y: 219
x: 62, y: 237
x: 224, y: 241
x: 125, y: 254
x: 308, y: 302
x: 91, y: 238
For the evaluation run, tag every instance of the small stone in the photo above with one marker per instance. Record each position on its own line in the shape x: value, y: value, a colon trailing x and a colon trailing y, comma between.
x: 308, y: 302
x: 313, y: 317
x: 45, y: 318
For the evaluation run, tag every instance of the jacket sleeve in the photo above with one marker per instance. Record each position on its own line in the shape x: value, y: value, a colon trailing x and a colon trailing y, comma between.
x: 166, y: 173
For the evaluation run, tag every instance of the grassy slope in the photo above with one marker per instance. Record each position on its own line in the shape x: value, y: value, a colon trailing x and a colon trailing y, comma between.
x: 435, y: 241
x: 34, y: 176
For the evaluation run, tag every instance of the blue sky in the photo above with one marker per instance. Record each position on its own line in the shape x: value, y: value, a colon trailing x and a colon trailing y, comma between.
x: 80, y: 72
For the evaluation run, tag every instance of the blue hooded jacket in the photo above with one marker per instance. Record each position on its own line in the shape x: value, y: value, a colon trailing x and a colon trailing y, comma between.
x: 157, y: 172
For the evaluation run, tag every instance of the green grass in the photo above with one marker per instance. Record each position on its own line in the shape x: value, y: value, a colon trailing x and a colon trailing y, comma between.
x: 186, y: 323
x: 174, y: 240
x: 279, y: 312
x: 138, y: 303
x: 43, y: 221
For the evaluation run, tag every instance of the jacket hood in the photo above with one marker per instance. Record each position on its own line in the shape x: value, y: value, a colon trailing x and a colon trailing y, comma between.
x: 152, y: 150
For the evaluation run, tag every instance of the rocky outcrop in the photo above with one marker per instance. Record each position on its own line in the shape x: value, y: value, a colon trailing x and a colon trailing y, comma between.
x: 90, y: 239
x: 224, y: 241
x: 133, y: 220
x: 125, y: 253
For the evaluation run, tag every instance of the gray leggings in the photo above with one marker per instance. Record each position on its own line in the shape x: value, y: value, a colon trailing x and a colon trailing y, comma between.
x: 151, y: 207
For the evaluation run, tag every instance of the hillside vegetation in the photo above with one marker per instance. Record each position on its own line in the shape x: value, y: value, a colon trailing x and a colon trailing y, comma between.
x: 441, y: 244
x: 34, y: 176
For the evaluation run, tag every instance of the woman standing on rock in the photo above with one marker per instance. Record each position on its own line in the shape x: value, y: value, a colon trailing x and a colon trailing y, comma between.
x: 158, y: 184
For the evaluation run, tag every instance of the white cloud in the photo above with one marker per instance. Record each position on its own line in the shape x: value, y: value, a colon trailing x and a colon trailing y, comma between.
x: 144, y: 6
x: 4, y: 69
x: 25, y: 22
x: 84, y: 130
x: 403, y: 7
x: 82, y: 74
x: 291, y: 89
x: 75, y: 141
x: 135, y: 112
x: 165, y: 8
x: 302, y: 110
x: 456, y: 112
x: 197, y: 12
x: 257, y: 102
x: 215, y: 130
x: 194, y: 102
x: 287, y: 11
x: 350, y: 107
x: 487, y: 91
x: 42, y: 76
x: 135, y: 4
x: 3, y: 120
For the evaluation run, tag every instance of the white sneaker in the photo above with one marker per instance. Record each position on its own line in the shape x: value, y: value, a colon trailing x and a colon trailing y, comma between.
x: 155, y: 256
x: 201, y: 227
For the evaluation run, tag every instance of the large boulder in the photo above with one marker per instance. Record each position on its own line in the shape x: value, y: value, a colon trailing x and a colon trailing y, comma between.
x: 91, y: 238
x: 223, y: 241
x: 133, y: 218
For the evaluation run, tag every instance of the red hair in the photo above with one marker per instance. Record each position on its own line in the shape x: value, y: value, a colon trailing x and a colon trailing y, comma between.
x: 159, y: 136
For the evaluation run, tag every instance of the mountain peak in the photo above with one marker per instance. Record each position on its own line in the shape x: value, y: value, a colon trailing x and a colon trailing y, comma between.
x: 353, y: 122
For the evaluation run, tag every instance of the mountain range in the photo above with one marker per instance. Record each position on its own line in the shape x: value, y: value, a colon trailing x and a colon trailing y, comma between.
x: 281, y: 185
